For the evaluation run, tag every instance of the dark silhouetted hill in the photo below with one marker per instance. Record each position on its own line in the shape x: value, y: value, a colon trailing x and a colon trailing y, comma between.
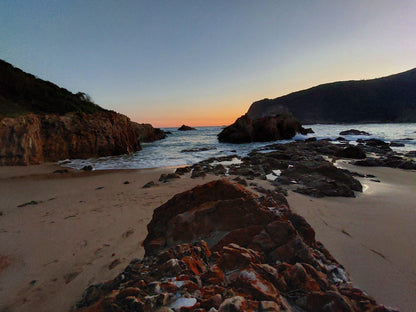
x: 387, y: 99
x: 22, y: 93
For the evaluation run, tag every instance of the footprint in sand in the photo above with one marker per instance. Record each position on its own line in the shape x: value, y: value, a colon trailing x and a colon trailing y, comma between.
x: 69, y: 277
x: 114, y: 263
x: 127, y: 233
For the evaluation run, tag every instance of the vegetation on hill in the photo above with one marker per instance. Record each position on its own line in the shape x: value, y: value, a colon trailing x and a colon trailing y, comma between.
x: 387, y: 99
x: 22, y: 93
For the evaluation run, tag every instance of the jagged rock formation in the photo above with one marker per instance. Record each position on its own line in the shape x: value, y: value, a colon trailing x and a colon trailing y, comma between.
x: 258, y: 256
x: 270, y: 128
x: 387, y: 99
x: 33, y: 139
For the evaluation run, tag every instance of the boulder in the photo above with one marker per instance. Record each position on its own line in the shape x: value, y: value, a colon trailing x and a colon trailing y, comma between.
x: 271, y: 128
x: 354, y: 152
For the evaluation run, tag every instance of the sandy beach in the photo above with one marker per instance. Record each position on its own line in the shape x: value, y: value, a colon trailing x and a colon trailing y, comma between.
x: 80, y: 228
x: 372, y: 235
x: 84, y: 224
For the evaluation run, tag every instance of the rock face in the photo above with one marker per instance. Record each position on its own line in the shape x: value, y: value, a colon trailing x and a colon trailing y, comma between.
x: 185, y: 128
x: 245, y: 130
x: 56, y: 124
x: 259, y: 256
x: 33, y: 139
x: 146, y: 133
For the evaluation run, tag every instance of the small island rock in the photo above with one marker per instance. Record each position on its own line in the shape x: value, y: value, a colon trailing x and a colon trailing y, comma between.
x: 185, y: 128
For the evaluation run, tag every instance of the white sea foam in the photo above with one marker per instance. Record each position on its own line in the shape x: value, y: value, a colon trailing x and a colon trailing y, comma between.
x: 167, y: 152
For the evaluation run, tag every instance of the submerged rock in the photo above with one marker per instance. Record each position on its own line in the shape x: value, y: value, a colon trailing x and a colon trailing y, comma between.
x: 353, y: 132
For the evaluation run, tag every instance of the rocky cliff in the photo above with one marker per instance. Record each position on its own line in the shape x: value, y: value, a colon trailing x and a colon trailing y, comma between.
x: 219, y: 247
x: 40, y: 121
x: 33, y: 139
x: 269, y: 128
x: 387, y: 99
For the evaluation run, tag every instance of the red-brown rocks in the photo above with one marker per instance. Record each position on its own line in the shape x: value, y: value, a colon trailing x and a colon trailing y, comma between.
x: 33, y: 139
x: 146, y: 133
x: 287, y: 270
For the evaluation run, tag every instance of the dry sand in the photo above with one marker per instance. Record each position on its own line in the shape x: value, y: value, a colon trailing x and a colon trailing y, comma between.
x: 86, y: 221
x: 373, y: 235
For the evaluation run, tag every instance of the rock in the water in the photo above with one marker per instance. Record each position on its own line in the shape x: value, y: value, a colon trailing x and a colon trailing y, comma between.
x: 146, y: 133
x: 185, y: 128
x: 198, y: 149
x: 353, y: 132
x: 396, y: 144
x: 244, y: 130
x: 308, y: 130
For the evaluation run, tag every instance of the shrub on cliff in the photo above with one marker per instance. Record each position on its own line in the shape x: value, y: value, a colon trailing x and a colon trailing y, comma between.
x: 22, y: 93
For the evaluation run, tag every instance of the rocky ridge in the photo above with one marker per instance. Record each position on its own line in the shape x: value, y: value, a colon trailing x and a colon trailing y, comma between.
x: 219, y: 247
x: 386, y: 99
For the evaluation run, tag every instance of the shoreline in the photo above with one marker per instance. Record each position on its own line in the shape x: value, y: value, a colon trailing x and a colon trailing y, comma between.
x: 106, y: 220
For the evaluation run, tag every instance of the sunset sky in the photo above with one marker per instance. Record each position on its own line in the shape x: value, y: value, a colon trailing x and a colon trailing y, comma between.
x: 204, y: 62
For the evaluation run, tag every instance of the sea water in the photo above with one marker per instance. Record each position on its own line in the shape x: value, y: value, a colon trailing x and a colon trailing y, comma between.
x: 172, y: 150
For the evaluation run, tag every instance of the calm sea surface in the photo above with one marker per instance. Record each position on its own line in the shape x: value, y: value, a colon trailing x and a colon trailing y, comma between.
x: 169, y: 152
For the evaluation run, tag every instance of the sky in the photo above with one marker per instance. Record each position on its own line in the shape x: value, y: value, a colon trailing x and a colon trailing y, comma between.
x: 200, y: 62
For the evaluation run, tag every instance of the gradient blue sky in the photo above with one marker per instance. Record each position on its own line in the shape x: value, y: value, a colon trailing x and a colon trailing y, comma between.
x: 204, y: 62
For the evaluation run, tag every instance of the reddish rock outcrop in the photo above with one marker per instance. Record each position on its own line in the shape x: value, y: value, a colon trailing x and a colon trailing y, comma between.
x: 33, y: 139
x: 270, y: 128
x: 146, y: 133
x: 259, y: 257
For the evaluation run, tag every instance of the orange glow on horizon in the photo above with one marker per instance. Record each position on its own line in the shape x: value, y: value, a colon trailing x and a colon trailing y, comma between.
x: 192, y: 122
x: 174, y: 119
